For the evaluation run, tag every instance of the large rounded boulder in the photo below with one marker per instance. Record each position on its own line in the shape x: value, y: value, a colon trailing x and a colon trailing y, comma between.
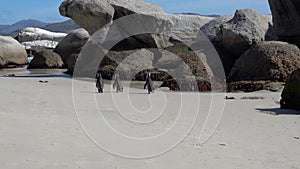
x: 286, y: 17
x: 267, y: 61
x: 291, y: 93
x: 168, y: 61
x: 182, y: 62
x: 89, y: 14
x: 72, y: 43
x: 210, y: 28
x: 36, y: 38
x: 171, y: 28
x: 12, y: 53
x: 245, y: 29
x: 127, y: 63
x: 45, y: 59
x: 94, y: 14
x: 134, y: 6
x: 37, y: 34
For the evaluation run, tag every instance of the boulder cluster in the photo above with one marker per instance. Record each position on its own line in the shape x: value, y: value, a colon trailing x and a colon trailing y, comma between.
x: 44, y: 49
x: 161, y: 45
x: 137, y: 36
x: 37, y: 37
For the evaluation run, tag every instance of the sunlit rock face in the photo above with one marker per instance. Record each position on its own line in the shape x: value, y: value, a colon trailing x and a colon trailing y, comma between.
x: 34, y: 34
x: 33, y: 38
x: 245, y: 29
x: 12, y: 53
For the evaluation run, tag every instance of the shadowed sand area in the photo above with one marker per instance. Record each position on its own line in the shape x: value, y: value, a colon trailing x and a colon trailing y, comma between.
x: 39, y: 129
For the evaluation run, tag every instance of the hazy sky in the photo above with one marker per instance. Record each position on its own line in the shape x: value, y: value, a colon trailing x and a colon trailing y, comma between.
x: 47, y: 10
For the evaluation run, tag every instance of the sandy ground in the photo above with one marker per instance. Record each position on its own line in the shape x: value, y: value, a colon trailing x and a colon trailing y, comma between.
x: 39, y: 128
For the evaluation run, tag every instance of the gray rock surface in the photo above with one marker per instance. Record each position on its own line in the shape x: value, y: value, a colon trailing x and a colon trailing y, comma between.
x: 182, y: 62
x: 37, y: 34
x: 136, y: 6
x: 271, y: 60
x: 45, y: 59
x: 227, y: 58
x: 166, y: 29
x: 210, y: 28
x: 89, y: 14
x: 38, y: 44
x: 72, y: 43
x: 182, y: 28
x: 93, y: 17
x: 291, y: 93
x: 94, y: 14
x: 71, y: 62
x: 12, y: 53
x: 286, y: 18
x: 168, y: 61
x: 126, y: 63
x: 244, y: 30
x: 269, y: 18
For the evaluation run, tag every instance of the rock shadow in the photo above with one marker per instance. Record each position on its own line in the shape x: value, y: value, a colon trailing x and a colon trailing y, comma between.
x: 278, y: 111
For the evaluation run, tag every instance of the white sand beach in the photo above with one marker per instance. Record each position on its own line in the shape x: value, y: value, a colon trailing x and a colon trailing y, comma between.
x: 39, y: 129
x: 50, y: 120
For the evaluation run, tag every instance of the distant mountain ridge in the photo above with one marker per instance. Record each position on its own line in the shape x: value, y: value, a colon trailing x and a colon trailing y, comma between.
x: 213, y: 15
x: 14, y: 29
x: 63, y: 27
x: 10, y: 29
